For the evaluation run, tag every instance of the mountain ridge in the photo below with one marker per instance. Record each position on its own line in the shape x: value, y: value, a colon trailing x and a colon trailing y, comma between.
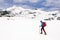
x: 17, y: 11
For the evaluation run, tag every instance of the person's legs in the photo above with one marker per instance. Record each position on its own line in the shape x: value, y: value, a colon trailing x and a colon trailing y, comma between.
x: 44, y: 30
x: 41, y: 30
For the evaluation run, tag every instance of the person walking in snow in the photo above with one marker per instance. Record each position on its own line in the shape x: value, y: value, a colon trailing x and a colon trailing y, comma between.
x: 43, y: 24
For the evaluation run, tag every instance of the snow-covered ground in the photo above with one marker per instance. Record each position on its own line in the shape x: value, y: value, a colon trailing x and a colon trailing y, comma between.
x: 20, y: 28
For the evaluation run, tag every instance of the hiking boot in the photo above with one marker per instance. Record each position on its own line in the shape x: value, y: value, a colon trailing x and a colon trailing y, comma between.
x: 41, y: 33
x: 45, y: 33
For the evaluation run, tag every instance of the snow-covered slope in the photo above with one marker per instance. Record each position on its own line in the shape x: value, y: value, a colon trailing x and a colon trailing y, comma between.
x: 17, y: 11
x: 28, y: 29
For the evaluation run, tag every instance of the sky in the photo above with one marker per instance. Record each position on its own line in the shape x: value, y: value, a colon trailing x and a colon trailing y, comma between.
x: 41, y: 4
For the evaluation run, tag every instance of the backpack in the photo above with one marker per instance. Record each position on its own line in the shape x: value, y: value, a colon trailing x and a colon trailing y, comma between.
x: 44, y: 24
